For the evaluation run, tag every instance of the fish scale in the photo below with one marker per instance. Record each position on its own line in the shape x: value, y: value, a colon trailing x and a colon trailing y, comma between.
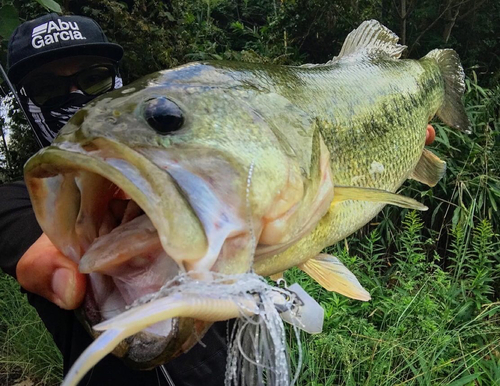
x: 357, y: 134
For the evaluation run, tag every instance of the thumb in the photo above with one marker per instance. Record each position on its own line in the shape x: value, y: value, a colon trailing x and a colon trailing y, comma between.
x: 45, y: 271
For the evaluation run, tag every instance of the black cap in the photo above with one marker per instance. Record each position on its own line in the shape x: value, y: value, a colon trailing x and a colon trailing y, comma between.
x: 50, y: 37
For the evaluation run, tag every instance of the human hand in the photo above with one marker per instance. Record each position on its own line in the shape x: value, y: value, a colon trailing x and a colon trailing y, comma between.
x: 430, y: 135
x: 45, y: 271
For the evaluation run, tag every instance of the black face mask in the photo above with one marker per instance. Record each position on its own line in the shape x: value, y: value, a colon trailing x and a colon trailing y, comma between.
x: 56, y: 118
x: 48, y: 122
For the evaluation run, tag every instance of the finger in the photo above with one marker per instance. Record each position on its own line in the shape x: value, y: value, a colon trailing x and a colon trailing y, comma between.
x: 45, y: 271
x: 430, y: 135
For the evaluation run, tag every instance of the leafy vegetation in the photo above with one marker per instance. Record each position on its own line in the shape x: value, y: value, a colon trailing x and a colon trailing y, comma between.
x: 26, y: 347
x: 434, y: 277
x: 425, y: 325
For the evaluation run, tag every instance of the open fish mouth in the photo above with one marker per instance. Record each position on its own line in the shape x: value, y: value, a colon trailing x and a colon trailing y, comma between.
x: 131, y: 232
x: 134, y: 219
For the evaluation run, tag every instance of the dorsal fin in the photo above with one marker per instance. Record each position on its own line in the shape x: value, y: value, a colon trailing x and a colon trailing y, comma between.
x: 372, y: 37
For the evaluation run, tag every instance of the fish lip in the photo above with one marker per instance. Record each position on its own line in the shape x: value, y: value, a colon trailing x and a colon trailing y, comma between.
x: 58, y: 161
x: 144, y: 190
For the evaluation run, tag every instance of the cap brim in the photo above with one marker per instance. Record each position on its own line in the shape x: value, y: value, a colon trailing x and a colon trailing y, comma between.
x: 23, y: 67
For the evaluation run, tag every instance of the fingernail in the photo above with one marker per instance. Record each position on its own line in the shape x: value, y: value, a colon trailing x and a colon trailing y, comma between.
x: 63, y: 285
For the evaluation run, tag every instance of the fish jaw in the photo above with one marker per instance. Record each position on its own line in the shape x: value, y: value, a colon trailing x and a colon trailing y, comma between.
x: 97, y: 175
x: 72, y: 200
x: 73, y: 187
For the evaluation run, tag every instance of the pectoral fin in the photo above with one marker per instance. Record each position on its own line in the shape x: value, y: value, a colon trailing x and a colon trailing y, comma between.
x: 344, y: 193
x: 429, y: 170
x: 328, y: 271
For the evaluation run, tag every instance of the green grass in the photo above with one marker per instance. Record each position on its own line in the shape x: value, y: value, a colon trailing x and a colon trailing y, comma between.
x: 26, y: 348
x: 424, y: 325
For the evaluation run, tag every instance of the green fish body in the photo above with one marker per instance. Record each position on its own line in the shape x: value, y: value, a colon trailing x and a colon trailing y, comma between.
x: 235, y: 166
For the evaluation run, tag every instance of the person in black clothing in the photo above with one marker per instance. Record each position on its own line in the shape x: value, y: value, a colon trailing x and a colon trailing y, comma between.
x: 58, y: 64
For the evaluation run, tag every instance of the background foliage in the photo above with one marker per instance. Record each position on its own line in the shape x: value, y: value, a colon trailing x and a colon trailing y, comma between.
x: 434, y: 277
x: 159, y: 34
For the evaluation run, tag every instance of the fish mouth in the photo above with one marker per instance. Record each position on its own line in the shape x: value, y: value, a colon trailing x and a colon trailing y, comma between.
x: 136, y: 218
x: 131, y: 231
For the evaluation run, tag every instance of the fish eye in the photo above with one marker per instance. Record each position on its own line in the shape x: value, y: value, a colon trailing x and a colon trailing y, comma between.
x: 163, y: 115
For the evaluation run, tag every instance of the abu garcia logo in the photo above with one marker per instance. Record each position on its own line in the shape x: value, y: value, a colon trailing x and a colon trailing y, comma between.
x: 52, y: 32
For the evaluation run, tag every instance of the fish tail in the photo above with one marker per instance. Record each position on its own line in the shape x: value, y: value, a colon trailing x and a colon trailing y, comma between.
x: 452, y: 111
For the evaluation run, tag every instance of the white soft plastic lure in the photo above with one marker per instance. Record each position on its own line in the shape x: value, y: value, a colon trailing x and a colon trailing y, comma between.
x: 141, y: 317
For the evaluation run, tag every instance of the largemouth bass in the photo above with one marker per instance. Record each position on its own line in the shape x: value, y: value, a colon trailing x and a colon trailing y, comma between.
x: 230, y: 167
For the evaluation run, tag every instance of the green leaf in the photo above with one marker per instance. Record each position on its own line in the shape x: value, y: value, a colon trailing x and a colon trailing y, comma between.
x: 169, y: 16
x: 50, y: 4
x: 435, y: 212
x: 492, y: 201
x: 456, y: 216
x: 237, y: 26
x: 9, y: 20
x: 442, y: 137
x: 465, y: 380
